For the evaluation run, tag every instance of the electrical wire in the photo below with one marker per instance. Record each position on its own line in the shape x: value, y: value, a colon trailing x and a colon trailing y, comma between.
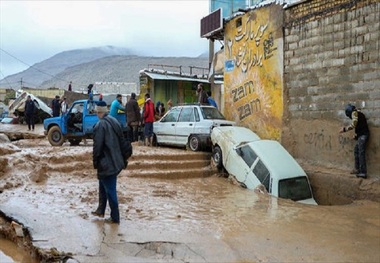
x: 9, y: 54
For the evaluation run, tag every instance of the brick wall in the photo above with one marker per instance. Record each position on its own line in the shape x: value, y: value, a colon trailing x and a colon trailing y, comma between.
x: 331, y: 58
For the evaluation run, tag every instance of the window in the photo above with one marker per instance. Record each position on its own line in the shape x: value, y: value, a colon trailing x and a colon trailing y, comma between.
x: 294, y: 188
x: 197, y: 117
x: 247, y: 154
x: 187, y: 115
x: 172, y: 116
x: 211, y: 113
x: 262, y: 173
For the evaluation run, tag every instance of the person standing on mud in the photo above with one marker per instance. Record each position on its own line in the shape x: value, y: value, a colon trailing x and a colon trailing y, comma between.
x: 133, y: 115
x: 29, y: 112
x: 56, y: 106
x: 116, y: 105
x: 108, y: 160
x: 359, y: 123
x: 63, y: 106
x: 148, y: 120
x: 70, y: 87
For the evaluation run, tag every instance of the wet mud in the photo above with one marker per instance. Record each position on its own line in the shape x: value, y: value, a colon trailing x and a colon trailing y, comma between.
x: 175, y: 207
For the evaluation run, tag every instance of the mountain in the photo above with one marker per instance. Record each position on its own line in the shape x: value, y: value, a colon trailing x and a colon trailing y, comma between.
x: 98, y: 64
x: 118, y: 69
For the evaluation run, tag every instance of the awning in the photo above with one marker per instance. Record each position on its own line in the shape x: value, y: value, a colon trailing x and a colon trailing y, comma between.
x: 174, y: 77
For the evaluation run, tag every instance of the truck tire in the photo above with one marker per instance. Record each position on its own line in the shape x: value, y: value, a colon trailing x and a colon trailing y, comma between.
x: 55, y: 136
x: 194, y: 143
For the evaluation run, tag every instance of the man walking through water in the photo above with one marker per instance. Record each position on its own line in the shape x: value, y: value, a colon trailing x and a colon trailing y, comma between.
x: 108, y: 160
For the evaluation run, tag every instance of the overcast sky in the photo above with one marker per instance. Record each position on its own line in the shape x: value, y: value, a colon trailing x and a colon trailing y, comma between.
x: 33, y: 31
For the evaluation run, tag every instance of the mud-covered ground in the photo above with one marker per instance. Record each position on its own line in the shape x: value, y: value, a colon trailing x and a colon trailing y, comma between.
x: 175, y: 208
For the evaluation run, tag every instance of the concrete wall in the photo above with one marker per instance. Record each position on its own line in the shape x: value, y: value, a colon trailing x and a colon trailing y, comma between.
x: 253, y: 71
x: 331, y: 58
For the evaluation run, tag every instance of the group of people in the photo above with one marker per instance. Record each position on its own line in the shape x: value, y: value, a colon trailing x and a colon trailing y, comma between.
x: 135, y: 118
x: 204, y: 97
x: 58, y: 106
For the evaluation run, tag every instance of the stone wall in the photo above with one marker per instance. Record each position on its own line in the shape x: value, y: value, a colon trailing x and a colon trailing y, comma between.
x: 331, y: 58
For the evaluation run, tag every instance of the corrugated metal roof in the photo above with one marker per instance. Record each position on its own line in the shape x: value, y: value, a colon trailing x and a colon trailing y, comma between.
x: 173, y: 77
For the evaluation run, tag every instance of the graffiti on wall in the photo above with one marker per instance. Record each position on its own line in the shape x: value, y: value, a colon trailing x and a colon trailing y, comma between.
x: 253, y: 71
x: 326, y: 142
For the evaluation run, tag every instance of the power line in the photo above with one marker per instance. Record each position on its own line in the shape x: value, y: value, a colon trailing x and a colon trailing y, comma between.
x: 6, y: 80
x: 9, y: 54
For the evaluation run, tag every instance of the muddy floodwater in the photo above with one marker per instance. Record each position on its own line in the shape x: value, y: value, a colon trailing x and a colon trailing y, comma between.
x: 174, y: 208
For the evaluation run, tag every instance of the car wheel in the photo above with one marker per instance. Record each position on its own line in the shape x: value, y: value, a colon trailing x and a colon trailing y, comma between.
x: 55, y: 136
x: 194, y: 143
x: 217, y: 157
x: 75, y: 142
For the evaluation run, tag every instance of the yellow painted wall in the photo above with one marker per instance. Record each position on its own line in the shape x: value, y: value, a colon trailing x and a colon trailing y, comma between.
x: 253, y: 71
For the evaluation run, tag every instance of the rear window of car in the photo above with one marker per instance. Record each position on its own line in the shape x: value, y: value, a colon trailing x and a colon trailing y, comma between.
x: 294, y: 188
x: 187, y: 115
x: 212, y: 113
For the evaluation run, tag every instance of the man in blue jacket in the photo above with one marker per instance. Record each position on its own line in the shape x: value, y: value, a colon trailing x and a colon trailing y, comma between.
x: 116, y: 105
x: 108, y: 160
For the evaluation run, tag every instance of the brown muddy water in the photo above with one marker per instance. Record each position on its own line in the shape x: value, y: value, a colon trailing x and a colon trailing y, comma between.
x: 59, y: 183
x: 9, y: 253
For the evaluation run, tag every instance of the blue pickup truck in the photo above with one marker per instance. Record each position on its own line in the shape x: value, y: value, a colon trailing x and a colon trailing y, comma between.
x: 77, y: 124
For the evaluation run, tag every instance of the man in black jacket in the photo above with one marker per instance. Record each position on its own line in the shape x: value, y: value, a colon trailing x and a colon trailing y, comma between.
x: 29, y: 112
x: 359, y: 123
x: 108, y: 160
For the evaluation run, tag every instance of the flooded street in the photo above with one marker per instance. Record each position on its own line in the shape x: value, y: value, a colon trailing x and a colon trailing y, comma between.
x: 196, y: 216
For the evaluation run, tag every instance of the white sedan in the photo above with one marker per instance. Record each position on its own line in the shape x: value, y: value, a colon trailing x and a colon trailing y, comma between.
x: 188, y: 125
x: 255, y: 162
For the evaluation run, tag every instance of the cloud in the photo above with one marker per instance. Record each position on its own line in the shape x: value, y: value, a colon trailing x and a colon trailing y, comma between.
x: 45, y: 28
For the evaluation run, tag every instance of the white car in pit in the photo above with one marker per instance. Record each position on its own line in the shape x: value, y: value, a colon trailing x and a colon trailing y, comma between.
x: 255, y: 162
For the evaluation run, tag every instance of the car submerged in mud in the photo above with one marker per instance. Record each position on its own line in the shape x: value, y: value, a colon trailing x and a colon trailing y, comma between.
x: 255, y: 162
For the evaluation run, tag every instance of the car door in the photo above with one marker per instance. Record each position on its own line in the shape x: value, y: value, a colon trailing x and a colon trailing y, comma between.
x: 244, y: 160
x: 185, y: 125
x: 74, y: 119
x: 90, y: 118
x: 165, y: 128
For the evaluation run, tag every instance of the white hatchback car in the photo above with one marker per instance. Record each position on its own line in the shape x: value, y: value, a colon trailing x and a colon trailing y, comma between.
x: 254, y: 162
x: 188, y: 125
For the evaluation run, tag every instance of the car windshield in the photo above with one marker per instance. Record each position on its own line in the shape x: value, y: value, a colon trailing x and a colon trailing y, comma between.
x: 211, y: 113
x: 294, y: 188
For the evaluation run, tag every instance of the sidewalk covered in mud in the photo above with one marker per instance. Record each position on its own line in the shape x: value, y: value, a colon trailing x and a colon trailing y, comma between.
x: 174, y: 208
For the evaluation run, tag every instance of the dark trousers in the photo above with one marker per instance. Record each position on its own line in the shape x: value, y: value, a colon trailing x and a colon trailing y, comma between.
x: 359, y: 153
x: 134, y: 131
x: 30, y: 121
x: 107, y: 192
